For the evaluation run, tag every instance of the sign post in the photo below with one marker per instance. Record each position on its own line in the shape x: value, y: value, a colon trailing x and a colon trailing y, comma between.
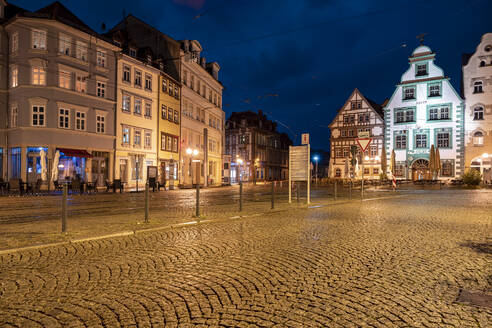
x: 363, y: 141
x: 300, y: 166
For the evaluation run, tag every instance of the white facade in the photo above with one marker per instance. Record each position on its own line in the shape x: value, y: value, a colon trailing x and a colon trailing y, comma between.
x: 477, y: 89
x: 425, y: 110
x: 357, y: 115
x: 202, y: 123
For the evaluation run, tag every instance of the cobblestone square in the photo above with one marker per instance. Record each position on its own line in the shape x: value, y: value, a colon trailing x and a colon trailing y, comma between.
x: 402, y: 261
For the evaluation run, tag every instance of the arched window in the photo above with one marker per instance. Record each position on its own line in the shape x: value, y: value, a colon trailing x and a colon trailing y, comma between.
x: 478, y: 87
x: 478, y: 113
x: 478, y: 138
x: 338, y: 173
x: 482, y: 63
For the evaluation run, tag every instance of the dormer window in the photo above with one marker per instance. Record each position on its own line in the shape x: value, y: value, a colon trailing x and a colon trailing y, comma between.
x: 488, y: 48
x: 133, y: 52
x: 421, y: 70
x: 117, y: 43
x: 478, y: 87
x: 482, y: 63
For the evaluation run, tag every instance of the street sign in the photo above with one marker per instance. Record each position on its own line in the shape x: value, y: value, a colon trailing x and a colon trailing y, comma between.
x: 363, y: 143
x: 305, y: 139
x: 363, y: 134
x: 299, y: 163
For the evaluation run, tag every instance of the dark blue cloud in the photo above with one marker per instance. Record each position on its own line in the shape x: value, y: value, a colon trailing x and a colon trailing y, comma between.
x: 310, y: 54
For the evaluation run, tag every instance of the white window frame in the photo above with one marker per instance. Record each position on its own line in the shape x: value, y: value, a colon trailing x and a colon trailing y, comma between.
x: 14, y: 76
x: 100, y: 124
x: 137, y: 134
x: 65, y: 45
x: 148, y: 109
x: 81, y: 51
x: 478, y: 87
x: 14, y: 116
x: 127, y: 108
x: 80, y: 121
x: 101, y: 89
x: 38, y: 75
x: 127, y: 69
x: 39, y: 115
x: 137, y: 101
x: 38, y: 39
x: 101, y: 58
x: 125, y: 137
x: 478, y: 140
x: 63, y: 118
x: 148, y: 139
x: 14, y: 40
x: 81, y: 83
x: 65, y: 79
x: 148, y: 82
x: 478, y: 113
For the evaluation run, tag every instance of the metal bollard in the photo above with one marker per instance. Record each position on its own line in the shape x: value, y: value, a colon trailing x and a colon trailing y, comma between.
x: 147, y: 202
x: 64, y: 208
x: 335, y: 193
x: 362, y: 189
x: 350, y: 189
x: 197, y: 210
x: 240, y: 196
x: 273, y: 196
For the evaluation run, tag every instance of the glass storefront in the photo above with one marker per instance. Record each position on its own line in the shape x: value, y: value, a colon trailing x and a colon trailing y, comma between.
x: 15, y: 163
x: 69, y: 167
x: 34, y: 165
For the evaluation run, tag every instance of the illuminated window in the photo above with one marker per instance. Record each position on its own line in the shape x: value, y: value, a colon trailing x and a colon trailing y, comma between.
x: 14, y: 41
x: 81, y: 83
x: 164, y: 85
x: 126, y: 103
x: 38, y: 76
x: 138, y: 106
x: 64, y: 45
x: 478, y: 138
x: 81, y: 51
x: 14, y: 77
x: 14, y: 114
x: 38, y: 39
x: 64, y: 80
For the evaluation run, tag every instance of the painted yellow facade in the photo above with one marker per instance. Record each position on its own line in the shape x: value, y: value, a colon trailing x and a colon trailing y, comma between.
x: 169, y: 130
x: 136, y: 121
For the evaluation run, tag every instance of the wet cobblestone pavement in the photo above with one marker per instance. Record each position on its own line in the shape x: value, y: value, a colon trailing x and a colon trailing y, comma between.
x: 392, y: 262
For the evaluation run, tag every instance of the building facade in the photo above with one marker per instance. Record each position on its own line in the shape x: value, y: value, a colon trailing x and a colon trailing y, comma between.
x: 257, y: 151
x: 169, y: 130
x: 136, y: 119
x: 425, y: 110
x: 202, y: 124
x: 477, y: 90
x: 60, y: 97
x: 159, y: 51
x: 357, y: 115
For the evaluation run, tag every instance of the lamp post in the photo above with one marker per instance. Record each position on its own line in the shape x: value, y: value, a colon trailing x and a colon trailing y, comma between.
x: 194, y: 152
x: 316, y: 158
x: 240, y: 162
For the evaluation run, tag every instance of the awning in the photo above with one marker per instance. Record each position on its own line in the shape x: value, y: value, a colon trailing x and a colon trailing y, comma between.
x: 74, y: 152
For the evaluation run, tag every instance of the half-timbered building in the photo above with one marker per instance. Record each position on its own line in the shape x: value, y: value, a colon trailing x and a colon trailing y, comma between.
x: 358, y: 114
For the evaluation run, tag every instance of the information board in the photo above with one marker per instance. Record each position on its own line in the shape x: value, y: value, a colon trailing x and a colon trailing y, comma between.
x: 299, y: 163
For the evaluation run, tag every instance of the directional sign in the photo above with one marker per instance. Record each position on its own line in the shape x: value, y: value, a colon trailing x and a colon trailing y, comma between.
x: 363, y: 143
x: 305, y: 138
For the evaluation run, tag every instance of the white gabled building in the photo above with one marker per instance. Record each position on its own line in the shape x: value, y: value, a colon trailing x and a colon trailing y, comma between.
x: 425, y: 110
x: 477, y: 90
x: 358, y: 114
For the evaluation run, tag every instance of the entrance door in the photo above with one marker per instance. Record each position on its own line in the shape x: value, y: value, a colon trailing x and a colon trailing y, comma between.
x: 124, y: 170
x: 420, y: 170
x: 99, y: 170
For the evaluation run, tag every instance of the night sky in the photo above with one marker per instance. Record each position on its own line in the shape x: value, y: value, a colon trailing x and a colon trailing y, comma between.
x: 299, y: 60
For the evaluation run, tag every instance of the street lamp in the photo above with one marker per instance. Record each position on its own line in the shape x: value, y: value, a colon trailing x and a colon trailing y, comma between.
x: 316, y: 158
x: 485, y: 155
x: 240, y: 162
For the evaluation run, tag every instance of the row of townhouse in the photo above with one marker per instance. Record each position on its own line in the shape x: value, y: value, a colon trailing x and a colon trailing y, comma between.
x: 424, y: 110
x: 109, y: 105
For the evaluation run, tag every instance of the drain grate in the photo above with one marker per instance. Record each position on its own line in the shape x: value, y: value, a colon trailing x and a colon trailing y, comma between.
x: 475, y: 298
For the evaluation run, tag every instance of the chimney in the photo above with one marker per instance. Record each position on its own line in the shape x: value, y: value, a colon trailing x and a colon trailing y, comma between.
x: 2, y: 9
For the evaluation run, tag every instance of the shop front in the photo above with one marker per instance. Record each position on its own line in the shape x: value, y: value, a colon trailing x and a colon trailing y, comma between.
x: 72, y: 164
x: 168, y: 173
